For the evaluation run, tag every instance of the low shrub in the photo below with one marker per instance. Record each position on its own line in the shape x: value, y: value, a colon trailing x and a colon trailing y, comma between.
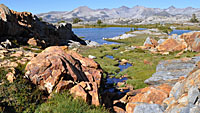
x: 19, y: 96
x: 64, y: 103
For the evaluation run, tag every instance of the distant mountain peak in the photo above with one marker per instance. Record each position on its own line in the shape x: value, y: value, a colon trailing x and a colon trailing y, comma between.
x: 139, y: 12
x: 84, y: 8
x: 172, y: 7
x: 124, y: 7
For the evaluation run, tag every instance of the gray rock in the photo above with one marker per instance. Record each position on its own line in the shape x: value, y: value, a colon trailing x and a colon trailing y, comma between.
x: 171, y: 70
x: 161, y: 41
x: 147, y: 41
x: 193, y: 94
x: 73, y: 44
x: 177, y: 90
x: 195, y: 109
x: 6, y: 44
x: 92, y: 43
x: 179, y: 110
x: 92, y: 57
x: 148, y: 108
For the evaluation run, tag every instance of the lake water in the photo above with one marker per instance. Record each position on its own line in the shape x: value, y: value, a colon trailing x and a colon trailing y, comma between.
x: 96, y: 34
x: 179, y: 32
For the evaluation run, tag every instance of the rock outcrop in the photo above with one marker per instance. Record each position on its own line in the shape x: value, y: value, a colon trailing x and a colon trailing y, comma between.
x: 187, y: 41
x: 149, y: 96
x: 169, y: 71
x: 53, y: 68
x: 22, y: 26
x: 193, y: 40
x: 184, y: 96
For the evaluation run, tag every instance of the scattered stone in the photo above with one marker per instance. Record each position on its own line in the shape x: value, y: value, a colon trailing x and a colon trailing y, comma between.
x: 32, y: 42
x: 17, y: 54
x: 92, y: 43
x: 92, y: 57
x: 10, y: 77
x: 123, y: 62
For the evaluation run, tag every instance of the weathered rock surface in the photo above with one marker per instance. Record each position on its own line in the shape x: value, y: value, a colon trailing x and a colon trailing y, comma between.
x: 149, y: 97
x: 184, y: 96
x: 55, y: 65
x: 140, y: 107
x: 171, y: 70
x: 152, y: 94
x: 22, y: 26
x: 171, y: 45
x: 187, y: 41
x: 150, y: 42
x: 193, y: 40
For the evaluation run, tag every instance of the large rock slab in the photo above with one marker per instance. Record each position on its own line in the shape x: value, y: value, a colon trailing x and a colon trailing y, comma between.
x: 57, y: 63
x: 172, y: 45
x: 184, y: 96
x: 171, y: 70
x: 152, y: 94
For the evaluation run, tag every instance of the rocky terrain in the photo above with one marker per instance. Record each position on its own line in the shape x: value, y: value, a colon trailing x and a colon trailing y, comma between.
x: 25, y: 28
x: 31, y: 77
x: 123, y: 15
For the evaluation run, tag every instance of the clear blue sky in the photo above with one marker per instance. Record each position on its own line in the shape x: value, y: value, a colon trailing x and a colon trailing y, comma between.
x: 40, y: 6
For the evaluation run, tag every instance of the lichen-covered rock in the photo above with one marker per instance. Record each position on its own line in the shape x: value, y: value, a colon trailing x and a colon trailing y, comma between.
x: 54, y: 63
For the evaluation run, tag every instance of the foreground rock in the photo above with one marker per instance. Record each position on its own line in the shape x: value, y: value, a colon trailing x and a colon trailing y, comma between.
x: 193, y: 40
x: 140, y: 107
x: 171, y: 70
x: 24, y: 28
x: 52, y: 68
x: 184, y: 96
x: 147, y: 98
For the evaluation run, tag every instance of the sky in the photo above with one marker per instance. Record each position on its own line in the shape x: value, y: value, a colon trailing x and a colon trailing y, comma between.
x: 42, y: 6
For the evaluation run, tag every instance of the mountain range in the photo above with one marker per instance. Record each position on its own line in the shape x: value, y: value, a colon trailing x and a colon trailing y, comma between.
x: 137, y: 12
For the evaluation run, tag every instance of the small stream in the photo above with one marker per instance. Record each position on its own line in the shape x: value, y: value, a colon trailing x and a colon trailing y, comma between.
x: 114, y: 80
